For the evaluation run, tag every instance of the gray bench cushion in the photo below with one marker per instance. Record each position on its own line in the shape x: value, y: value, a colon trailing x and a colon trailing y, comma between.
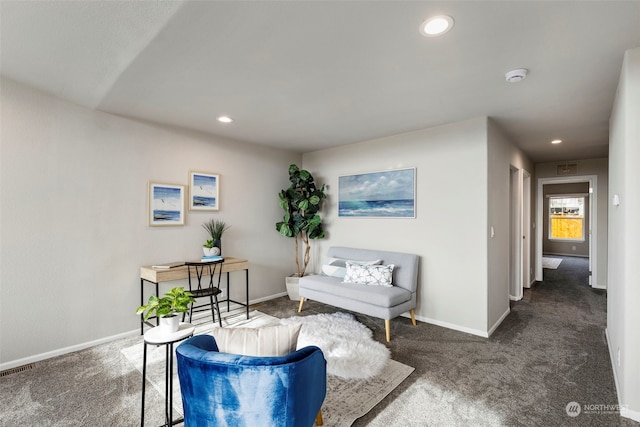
x: 376, y: 295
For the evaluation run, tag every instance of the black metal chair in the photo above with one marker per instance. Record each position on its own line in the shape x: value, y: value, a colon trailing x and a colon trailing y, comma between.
x: 199, y: 288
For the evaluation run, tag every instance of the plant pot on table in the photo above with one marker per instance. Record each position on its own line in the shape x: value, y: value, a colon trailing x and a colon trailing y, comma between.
x: 170, y: 324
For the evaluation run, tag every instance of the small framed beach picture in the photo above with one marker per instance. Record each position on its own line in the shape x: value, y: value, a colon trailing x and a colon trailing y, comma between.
x: 166, y: 204
x: 204, y: 191
x: 387, y: 194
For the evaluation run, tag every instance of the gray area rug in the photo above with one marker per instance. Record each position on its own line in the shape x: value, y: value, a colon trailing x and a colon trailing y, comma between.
x: 346, y: 401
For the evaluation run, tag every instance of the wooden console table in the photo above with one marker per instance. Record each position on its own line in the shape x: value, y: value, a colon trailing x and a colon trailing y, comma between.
x: 157, y: 275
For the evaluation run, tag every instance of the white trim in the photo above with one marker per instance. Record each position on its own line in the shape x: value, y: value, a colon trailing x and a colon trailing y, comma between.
x: 516, y: 244
x: 567, y: 195
x: 584, y: 223
x: 499, y: 321
x: 613, y: 363
x: 628, y: 413
x: 567, y: 240
x: 526, y: 229
x: 65, y: 350
x: 624, y: 410
x: 451, y: 326
x: 593, y: 222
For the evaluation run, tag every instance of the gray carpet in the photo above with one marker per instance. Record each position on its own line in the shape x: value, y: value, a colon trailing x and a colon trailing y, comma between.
x: 548, y: 352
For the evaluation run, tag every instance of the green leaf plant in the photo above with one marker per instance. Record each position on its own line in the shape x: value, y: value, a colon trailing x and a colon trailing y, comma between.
x: 301, y: 203
x: 215, y: 228
x: 177, y: 300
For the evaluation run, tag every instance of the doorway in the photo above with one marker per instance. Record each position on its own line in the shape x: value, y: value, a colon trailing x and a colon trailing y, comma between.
x: 527, y: 270
x: 519, y: 232
x: 591, y: 226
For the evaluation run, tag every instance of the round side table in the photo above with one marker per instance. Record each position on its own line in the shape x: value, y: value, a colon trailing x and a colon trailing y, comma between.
x: 158, y: 336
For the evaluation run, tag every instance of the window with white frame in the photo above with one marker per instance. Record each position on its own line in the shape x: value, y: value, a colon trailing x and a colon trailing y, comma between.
x: 566, y: 218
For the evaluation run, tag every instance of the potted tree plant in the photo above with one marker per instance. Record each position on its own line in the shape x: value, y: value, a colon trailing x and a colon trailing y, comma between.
x: 175, y: 301
x: 215, y: 228
x: 301, y: 203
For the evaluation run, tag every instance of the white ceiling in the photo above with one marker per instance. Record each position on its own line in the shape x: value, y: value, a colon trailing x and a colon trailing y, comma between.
x: 307, y: 75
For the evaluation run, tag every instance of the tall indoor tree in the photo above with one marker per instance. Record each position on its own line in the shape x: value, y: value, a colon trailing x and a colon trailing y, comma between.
x: 301, y: 203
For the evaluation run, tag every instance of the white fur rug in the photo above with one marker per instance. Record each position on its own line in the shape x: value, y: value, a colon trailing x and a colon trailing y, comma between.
x: 347, y: 344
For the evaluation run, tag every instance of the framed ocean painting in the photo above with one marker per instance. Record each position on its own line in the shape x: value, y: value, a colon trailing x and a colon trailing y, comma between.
x: 387, y: 194
x: 166, y: 204
x: 204, y: 191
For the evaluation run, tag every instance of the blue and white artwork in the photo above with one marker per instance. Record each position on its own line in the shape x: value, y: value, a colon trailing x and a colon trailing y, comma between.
x: 204, y: 191
x: 389, y: 194
x: 166, y: 204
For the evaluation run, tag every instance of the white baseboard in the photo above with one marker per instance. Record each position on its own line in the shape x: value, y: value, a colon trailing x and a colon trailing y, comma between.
x: 613, y: 361
x: 624, y: 411
x: 563, y: 254
x: 628, y: 413
x: 65, y: 350
x: 451, y: 326
x: 459, y: 328
x: 499, y: 321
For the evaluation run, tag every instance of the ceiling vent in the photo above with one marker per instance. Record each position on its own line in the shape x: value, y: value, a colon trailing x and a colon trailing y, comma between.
x: 567, y: 169
x: 516, y: 75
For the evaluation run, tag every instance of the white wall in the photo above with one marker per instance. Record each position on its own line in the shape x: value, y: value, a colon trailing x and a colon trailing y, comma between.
x: 449, y: 232
x: 623, y: 316
x: 502, y: 155
x: 73, y: 218
x: 599, y: 168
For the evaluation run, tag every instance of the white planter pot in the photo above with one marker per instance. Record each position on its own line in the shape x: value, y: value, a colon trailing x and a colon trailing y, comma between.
x: 211, y: 251
x: 293, y: 287
x: 170, y: 324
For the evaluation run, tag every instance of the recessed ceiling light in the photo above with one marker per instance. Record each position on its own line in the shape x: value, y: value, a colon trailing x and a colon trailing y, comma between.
x: 225, y: 119
x: 436, y: 26
x: 556, y: 141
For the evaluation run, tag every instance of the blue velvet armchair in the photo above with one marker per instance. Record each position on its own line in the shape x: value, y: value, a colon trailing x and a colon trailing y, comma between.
x: 221, y: 389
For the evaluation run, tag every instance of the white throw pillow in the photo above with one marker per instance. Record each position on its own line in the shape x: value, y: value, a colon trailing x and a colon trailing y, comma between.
x: 337, y: 267
x: 375, y: 275
x: 278, y: 340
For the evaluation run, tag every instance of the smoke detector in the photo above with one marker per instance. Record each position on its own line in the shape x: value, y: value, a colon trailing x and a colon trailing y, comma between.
x: 516, y: 75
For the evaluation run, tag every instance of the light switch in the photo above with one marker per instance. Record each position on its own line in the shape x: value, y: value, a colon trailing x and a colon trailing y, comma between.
x: 615, y: 200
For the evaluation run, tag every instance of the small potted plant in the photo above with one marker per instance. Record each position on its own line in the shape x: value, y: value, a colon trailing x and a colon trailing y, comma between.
x: 215, y: 228
x: 175, y: 301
